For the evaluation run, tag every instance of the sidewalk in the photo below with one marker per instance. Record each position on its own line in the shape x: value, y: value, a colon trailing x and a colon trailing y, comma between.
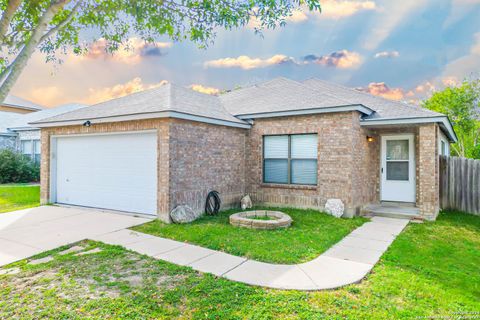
x: 349, y: 261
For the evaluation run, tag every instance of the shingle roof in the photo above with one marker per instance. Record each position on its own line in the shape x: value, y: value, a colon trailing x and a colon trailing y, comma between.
x: 24, y: 121
x: 21, y: 103
x: 278, y: 95
x: 6, y: 119
x: 168, y: 97
x: 384, y: 108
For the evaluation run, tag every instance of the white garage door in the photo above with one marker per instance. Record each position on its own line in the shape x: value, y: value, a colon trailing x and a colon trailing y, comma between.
x: 113, y: 171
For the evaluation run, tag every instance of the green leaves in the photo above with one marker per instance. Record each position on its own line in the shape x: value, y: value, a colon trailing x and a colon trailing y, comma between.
x: 118, y: 20
x: 461, y: 105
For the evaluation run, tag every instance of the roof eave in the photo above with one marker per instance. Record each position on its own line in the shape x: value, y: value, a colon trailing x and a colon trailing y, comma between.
x: 443, y: 121
x: 142, y: 116
x: 23, y: 128
x: 20, y: 107
x: 354, y: 107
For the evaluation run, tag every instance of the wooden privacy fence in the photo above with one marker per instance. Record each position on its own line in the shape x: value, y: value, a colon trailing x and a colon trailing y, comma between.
x: 460, y: 184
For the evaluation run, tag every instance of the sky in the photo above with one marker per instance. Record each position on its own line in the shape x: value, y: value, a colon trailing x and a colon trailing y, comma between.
x: 401, y: 50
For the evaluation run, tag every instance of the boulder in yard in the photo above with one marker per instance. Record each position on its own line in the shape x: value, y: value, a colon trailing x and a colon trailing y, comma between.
x: 246, y: 202
x: 184, y: 214
x: 334, y: 207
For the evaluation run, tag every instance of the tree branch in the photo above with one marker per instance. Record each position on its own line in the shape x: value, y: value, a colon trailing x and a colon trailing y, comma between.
x: 62, y: 24
x: 17, y: 66
x: 12, y: 6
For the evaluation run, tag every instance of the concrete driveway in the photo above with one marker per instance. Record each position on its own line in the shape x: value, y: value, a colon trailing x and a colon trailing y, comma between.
x: 27, y: 232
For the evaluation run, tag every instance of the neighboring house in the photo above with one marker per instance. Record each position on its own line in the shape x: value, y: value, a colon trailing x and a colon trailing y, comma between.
x: 283, y: 142
x: 11, y: 109
x: 16, y: 104
x: 18, y: 135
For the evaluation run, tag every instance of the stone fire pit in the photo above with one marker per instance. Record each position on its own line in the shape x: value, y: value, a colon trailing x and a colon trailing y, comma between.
x: 261, y: 219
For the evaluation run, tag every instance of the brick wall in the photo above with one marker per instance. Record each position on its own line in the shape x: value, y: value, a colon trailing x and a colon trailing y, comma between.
x: 203, y: 158
x: 336, y: 139
x: 428, y: 171
x: 426, y: 164
x: 162, y: 127
x: 193, y: 158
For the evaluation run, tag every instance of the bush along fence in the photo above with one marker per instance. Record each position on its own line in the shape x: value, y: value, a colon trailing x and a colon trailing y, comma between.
x: 460, y: 184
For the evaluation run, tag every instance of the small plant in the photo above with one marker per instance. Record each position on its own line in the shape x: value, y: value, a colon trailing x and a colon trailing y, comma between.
x: 17, y: 168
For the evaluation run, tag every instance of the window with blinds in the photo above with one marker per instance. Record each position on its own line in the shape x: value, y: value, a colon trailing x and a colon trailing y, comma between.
x: 290, y: 159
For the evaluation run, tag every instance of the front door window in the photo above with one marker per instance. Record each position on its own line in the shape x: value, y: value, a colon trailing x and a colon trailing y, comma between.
x: 397, y: 160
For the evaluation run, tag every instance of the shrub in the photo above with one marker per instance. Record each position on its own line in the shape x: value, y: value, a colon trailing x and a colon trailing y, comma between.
x: 15, y: 167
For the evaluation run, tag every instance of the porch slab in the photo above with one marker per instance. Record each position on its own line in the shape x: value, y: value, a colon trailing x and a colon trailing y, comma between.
x: 395, y: 211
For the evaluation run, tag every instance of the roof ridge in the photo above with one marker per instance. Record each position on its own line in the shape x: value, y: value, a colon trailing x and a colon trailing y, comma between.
x: 330, y: 95
x: 368, y: 94
x: 133, y: 94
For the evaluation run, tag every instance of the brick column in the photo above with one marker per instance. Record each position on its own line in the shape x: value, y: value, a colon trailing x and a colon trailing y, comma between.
x: 428, y: 171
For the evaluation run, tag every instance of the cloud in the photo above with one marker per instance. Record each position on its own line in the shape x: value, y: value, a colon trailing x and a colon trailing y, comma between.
x: 297, y: 16
x: 425, y: 87
x: 247, y: 63
x: 342, y: 59
x: 393, y: 14
x: 450, y: 81
x: 97, y: 95
x: 382, y: 90
x: 387, y: 54
x: 46, y: 96
x: 339, y: 9
x: 203, y: 89
x: 331, y: 9
x: 465, y: 66
x: 130, y: 53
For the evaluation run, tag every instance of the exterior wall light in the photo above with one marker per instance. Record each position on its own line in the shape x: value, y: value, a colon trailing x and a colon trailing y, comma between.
x: 87, y: 123
x: 369, y: 139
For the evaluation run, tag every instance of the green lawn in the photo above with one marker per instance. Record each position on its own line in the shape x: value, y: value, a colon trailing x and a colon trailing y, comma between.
x: 311, y: 234
x: 430, y: 271
x: 18, y: 196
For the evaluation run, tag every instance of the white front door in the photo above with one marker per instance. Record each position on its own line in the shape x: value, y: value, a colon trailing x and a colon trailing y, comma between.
x: 109, y: 171
x: 398, y: 168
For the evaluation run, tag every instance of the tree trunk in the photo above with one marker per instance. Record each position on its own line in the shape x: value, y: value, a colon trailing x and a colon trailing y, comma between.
x: 12, y: 6
x: 17, y: 66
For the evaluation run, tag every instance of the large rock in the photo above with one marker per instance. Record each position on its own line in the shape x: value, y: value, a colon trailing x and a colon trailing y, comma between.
x: 334, y: 207
x: 184, y: 214
x: 246, y: 202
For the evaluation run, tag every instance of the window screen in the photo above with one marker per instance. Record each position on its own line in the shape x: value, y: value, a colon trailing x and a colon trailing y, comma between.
x: 290, y: 159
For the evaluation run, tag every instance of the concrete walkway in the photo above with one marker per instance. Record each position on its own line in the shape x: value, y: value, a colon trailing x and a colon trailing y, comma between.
x: 25, y: 233
x: 28, y: 232
x: 349, y: 261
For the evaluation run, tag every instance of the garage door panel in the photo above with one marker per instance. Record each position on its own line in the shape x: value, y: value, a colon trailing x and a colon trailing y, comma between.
x: 116, y: 171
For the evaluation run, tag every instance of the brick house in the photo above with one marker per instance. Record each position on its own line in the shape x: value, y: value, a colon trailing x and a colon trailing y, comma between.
x: 285, y: 143
x: 15, y: 131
